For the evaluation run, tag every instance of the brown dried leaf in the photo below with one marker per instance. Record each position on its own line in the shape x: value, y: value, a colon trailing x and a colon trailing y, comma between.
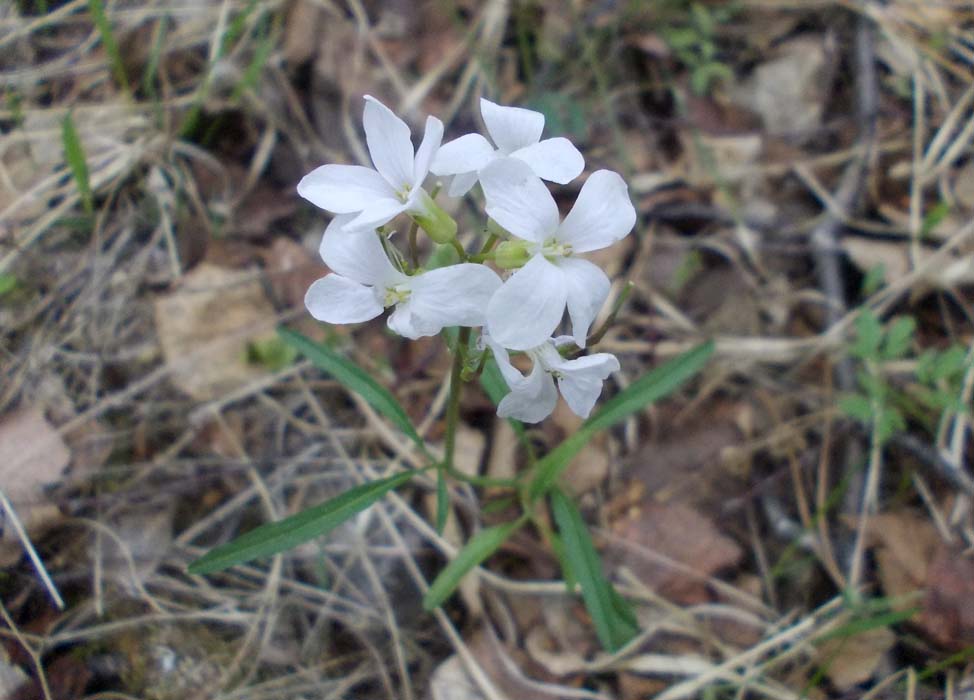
x: 679, y: 533
x: 948, y: 616
x: 291, y: 269
x: 905, y: 544
x: 205, y: 325
x: 852, y: 660
x: 32, y: 457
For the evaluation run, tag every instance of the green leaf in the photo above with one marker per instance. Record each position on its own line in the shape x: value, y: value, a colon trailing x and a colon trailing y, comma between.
x: 857, y: 406
x: 353, y: 378
x: 480, y: 546
x: 874, y: 279
x: 615, y: 623
x: 98, y: 16
x: 869, y: 335
x: 651, y: 387
x: 8, y: 283
x: 937, y: 214
x: 899, y: 338
x: 276, y: 537
x: 74, y: 154
x: 273, y: 353
x: 948, y: 364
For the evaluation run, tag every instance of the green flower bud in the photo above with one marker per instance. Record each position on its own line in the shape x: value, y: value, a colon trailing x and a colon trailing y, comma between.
x: 511, y: 254
x: 438, y: 225
x: 495, y: 229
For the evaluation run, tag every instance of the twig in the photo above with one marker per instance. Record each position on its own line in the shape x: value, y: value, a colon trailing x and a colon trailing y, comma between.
x: 31, y: 552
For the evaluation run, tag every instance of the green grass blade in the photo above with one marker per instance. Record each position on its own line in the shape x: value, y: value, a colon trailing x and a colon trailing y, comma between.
x: 74, y: 154
x: 651, y: 387
x: 276, y: 537
x: 98, y: 16
x: 481, y: 546
x: 615, y: 622
x: 355, y: 379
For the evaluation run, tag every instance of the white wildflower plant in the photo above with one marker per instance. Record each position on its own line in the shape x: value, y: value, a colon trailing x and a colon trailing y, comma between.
x: 513, y: 289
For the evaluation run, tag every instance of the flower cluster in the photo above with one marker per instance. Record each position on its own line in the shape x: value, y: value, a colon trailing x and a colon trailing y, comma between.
x: 539, y: 248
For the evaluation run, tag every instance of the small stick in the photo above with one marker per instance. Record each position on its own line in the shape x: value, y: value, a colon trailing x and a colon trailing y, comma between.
x: 31, y: 552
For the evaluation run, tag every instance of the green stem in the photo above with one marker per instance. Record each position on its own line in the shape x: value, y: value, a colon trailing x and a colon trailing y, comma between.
x: 460, y: 251
x: 453, y: 403
x: 413, y: 244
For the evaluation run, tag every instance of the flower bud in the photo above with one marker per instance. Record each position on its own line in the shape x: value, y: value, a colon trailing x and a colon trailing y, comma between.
x: 438, y: 225
x: 511, y: 254
x: 495, y: 229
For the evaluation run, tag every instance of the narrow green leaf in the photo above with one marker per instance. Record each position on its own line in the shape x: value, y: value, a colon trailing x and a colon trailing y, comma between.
x: 480, y: 546
x: 74, y: 154
x: 353, y: 378
x: 104, y: 27
x: 615, y: 623
x: 252, y: 73
x: 276, y: 537
x: 651, y: 387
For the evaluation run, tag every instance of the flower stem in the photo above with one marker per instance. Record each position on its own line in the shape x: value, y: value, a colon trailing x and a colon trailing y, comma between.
x: 453, y: 403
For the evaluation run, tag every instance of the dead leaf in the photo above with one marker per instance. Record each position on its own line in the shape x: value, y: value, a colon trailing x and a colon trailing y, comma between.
x: 849, y: 661
x: 948, y: 616
x: 905, y: 544
x: 790, y: 91
x: 452, y: 682
x: 205, y: 325
x: 679, y: 533
x: 33, y: 456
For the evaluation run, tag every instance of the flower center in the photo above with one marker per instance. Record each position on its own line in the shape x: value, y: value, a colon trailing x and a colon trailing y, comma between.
x: 553, y: 248
x: 403, y: 194
x: 397, y: 294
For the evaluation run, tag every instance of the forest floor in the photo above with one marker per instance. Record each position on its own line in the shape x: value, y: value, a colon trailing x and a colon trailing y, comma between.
x: 794, y: 522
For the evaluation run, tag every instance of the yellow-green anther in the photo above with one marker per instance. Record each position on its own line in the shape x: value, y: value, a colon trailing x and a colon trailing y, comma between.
x: 438, y: 225
x: 511, y: 254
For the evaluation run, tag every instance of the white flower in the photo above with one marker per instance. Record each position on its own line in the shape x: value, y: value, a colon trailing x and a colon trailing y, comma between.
x: 395, y: 185
x: 365, y: 282
x: 530, y: 305
x: 517, y: 133
x: 533, y: 398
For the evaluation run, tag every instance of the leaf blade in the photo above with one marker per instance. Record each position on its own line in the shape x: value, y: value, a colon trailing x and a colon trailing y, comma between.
x: 480, y: 546
x: 355, y: 379
x: 275, y: 537
x: 615, y: 623
x: 650, y: 387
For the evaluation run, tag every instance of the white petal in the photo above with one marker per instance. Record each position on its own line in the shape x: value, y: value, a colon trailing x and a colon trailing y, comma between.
x: 518, y: 200
x: 389, y: 144
x: 525, y: 311
x: 588, y: 288
x: 343, y: 188
x: 511, y: 127
x: 531, y: 400
x: 555, y: 160
x: 462, y: 183
x: 427, y: 150
x: 377, y: 213
x: 456, y: 295
x: 357, y: 255
x: 581, y: 380
x: 602, y: 213
x: 337, y: 299
x: 463, y: 155
x: 511, y: 375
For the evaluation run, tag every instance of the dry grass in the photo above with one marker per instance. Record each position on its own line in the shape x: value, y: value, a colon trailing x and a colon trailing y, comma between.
x: 229, y: 102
